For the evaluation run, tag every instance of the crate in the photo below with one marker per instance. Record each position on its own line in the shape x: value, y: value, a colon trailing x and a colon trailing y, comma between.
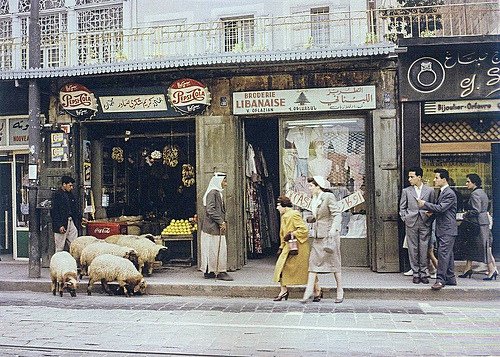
x: 102, y: 230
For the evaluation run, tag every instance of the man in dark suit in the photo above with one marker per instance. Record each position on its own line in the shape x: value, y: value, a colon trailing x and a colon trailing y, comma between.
x: 418, y: 223
x: 445, y: 210
x: 66, y: 216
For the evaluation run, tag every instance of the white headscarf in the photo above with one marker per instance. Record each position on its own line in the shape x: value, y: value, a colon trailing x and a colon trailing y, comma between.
x: 215, y: 184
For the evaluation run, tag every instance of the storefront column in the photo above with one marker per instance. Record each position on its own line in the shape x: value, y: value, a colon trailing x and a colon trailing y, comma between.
x: 384, y: 223
x: 219, y: 148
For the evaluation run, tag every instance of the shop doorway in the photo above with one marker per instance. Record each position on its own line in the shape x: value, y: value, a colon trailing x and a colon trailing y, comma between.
x: 262, y: 186
x: 147, y: 172
x: 5, y: 206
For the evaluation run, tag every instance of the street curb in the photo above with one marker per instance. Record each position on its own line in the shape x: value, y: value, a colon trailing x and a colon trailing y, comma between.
x: 269, y: 291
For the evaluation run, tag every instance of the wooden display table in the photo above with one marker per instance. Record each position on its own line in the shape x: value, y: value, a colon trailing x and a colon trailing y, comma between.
x: 179, y: 237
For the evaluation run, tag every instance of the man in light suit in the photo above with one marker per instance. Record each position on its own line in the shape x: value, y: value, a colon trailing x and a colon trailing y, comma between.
x: 445, y: 210
x: 418, y: 223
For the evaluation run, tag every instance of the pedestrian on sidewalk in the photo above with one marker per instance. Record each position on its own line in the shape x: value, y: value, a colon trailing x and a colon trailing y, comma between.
x: 328, y: 224
x: 474, y: 236
x: 418, y: 223
x: 291, y: 266
x: 213, y: 247
x: 66, y: 215
x: 445, y: 210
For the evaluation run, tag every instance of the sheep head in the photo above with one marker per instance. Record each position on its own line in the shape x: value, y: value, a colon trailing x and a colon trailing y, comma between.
x: 133, y: 257
x: 70, y: 284
x: 141, y: 287
x: 163, y: 255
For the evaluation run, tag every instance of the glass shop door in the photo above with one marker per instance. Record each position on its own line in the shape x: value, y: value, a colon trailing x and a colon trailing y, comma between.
x: 6, y: 205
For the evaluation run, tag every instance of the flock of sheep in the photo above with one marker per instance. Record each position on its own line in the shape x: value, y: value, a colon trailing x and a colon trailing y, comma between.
x: 120, y: 258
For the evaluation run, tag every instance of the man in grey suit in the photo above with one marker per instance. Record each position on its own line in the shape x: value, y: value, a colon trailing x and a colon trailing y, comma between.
x: 445, y: 210
x: 418, y: 223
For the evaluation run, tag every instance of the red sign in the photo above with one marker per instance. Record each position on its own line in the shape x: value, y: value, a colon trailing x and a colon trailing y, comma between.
x: 77, y: 101
x: 103, y: 230
x: 189, y: 96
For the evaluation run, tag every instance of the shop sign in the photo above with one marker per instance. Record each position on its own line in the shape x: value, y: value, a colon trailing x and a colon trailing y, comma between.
x: 462, y: 106
x: 77, y: 101
x: 3, y: 132
x: 188, y: 96
x: 59, y: 146
x: 447, y: 72
x: 303, y: 200
x: 304, y: 100
x: 133, y: 103
x: 18, y: 132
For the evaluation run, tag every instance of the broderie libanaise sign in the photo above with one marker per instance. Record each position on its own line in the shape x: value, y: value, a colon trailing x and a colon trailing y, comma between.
x: 189, y: 96
x: 78, y: 101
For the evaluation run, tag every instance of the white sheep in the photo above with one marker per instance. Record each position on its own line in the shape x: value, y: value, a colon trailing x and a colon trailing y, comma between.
x: 63, y: 273
x: 79, y: 243
x: 91, y: 251
x: 107, y: 267
x: 147, y: 251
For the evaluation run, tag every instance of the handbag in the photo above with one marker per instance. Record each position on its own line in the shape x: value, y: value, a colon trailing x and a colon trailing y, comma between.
x: 293, y: 246
x: 329, y: 243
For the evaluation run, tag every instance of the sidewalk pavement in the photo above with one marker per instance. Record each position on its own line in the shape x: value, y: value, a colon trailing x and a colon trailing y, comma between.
x: 255, y: 280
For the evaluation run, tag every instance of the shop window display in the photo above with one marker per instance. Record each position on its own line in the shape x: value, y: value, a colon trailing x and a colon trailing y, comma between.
x: 334, y: 149
x: 459, y: 165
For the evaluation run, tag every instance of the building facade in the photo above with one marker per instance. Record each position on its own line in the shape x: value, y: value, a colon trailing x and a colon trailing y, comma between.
x: 143, y: 100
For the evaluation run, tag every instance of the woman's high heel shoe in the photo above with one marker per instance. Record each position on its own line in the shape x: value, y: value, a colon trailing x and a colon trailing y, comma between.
x: 493, y: 276
x: 467, y: 274
x: 318, y: 298
x: 281, y: 296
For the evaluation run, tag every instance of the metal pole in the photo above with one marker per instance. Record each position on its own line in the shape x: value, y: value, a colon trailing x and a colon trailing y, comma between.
x: 34, y: 253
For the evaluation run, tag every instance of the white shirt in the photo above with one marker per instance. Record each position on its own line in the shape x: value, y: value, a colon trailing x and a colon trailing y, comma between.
x: 418, y: 190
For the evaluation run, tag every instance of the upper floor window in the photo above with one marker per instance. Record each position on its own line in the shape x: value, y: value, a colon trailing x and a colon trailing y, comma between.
x: 100, y: 34
x: 4, y: 7
x: 5, y: 44
x: 238, y: 33
x: 320, y: 26
x: 24, y: 5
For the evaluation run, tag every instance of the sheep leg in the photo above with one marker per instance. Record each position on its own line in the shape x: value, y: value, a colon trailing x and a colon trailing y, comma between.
x: 89, y: 287
x: 53, y: 286
x: 124, y: 287
x: 61, y: 288
x: 105, y: 286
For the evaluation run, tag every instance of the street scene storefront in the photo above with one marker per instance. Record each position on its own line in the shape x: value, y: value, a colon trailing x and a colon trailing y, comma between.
x: 452, y: 88
x: 141, y: 158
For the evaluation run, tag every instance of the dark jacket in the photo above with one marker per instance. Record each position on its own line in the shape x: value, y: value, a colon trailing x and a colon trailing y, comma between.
x: 445, y: 209
x: 64, y: 205
x: 215, y: 213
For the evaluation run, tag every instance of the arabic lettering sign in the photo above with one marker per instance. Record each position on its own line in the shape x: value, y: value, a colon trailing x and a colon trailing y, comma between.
x: 77, y: 101
x: 189, y: 96
x: 304, y: 100
x: 18, y: 132
x: 133, y: 103
x: 450, y: 71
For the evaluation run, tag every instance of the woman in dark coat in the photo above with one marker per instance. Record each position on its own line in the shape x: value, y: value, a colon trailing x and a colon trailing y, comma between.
x: 474, y: 232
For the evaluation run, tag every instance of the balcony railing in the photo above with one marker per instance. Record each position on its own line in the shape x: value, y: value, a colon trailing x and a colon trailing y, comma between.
x: 255, y: 35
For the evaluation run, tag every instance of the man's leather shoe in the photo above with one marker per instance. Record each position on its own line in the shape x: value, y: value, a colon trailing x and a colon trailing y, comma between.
x: 416, y: 280
x: 451, y: 282
x: 224, y: 276
x: 437, y: 286
x: 209, y: 275
x: 424, y: 280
